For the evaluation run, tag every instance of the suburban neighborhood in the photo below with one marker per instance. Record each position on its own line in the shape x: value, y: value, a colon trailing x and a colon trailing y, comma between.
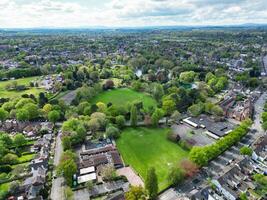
x: 132, y: 112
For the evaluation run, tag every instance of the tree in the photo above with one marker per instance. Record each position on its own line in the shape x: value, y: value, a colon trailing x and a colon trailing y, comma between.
x: 151, y: 183
x: 68, y: 193
x: 32, y: 110
x: 101, y: 107
x: 6, y: 139
x: 10, y: 159
x: 66, y: 143
x: 156, y: 116
x: 109, y: 84
x: 89, y: 185
x: 133, y: 117
x: 136, y: 193
x: 67, y: 166
x: 82, y: 106
x: 101, y: 118
x: 176, y: 175
x: 198, y: 156
x: 217, y: 110
x: 243, y: 196
x: 187, y: 77
x: 120, y: 121
x: 246, y: 151
x: 22, y: 115
x: 108, y: 172
x: 196, y: 109
x: 157, y: 91
x: 189, y: 168
x: 261, y: 182
x: 176, y: 115
x: 168, y: 106
x: 94, y: 124
x: 112, y: 132
x: 53, y: 116
x: 47, y: 108
x: 19, y: 140
x: 42, y: 99
x: 3, y: 115
x: 3, y: 149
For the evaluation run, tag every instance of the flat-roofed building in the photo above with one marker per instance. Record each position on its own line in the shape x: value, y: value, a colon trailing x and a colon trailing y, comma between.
x: 86, y: 178
x: 87, y: 170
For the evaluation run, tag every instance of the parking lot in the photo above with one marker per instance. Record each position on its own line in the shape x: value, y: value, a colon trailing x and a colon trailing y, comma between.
x: 199, y: 135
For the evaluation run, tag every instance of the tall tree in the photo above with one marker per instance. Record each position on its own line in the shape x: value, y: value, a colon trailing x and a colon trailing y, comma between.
x: 133, y: 118
x: 176, y: 175
x: 3, y: 115
x: 151, y: 183
x: 53, y: 116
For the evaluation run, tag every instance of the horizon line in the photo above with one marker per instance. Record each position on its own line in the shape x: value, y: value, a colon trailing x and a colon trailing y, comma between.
x: 136, y: 27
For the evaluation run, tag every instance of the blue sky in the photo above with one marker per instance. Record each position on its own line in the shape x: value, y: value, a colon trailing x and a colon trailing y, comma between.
x: 114, y: 13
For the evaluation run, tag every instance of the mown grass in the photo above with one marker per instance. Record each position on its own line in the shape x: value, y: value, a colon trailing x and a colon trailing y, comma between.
x: 142, y: 148
x: 123, y: 96
x: 22, y: 81
x: 26, y: 158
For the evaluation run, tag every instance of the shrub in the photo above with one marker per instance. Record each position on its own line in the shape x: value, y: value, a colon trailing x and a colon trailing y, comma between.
x: 5, y: 168
x: 173, y: 137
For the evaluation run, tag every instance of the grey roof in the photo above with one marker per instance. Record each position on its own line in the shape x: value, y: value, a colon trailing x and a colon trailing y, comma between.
x: 218, y: 128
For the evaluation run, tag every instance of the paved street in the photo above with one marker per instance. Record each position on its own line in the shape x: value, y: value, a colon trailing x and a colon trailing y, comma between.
x: 264, y: 65
x: 57, y: 192
x: 257, y: 117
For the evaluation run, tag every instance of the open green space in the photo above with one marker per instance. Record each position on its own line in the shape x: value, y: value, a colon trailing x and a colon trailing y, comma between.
x: 21, y: 81
x: 142, y: 148
x: 26, y: 158
x: 123, y: 96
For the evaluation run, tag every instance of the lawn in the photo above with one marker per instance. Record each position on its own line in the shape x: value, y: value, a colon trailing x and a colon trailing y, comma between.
x: 21, y: 81
x: 24, y: 164
x: 26, y: 158
x: 142, y: 148
x: 3, y: 190
x: 123, y: 96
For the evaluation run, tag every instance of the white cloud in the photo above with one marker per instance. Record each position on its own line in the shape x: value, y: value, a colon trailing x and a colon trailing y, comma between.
x: 60, y: 13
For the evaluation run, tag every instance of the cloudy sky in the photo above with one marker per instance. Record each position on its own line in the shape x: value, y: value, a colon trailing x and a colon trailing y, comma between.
x: 86, y: 13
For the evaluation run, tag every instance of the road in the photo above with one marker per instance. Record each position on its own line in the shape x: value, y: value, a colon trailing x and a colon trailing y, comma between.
x: 264, y: 65
x: 57, y: 190
x: 257, y: 115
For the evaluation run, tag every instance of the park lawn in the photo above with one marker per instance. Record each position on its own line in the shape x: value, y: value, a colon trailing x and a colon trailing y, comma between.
x: 142, y: 148
x: 21, y: 81
x: 123, y: 96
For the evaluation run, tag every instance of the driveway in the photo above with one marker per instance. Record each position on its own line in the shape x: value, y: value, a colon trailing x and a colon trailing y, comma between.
x: 132, y: 177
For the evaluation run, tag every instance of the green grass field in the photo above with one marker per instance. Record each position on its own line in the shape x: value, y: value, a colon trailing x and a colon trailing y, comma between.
x: 26, y: 158
x: 21, y: 81
x: 123, y: 96
x: 142, y: 148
